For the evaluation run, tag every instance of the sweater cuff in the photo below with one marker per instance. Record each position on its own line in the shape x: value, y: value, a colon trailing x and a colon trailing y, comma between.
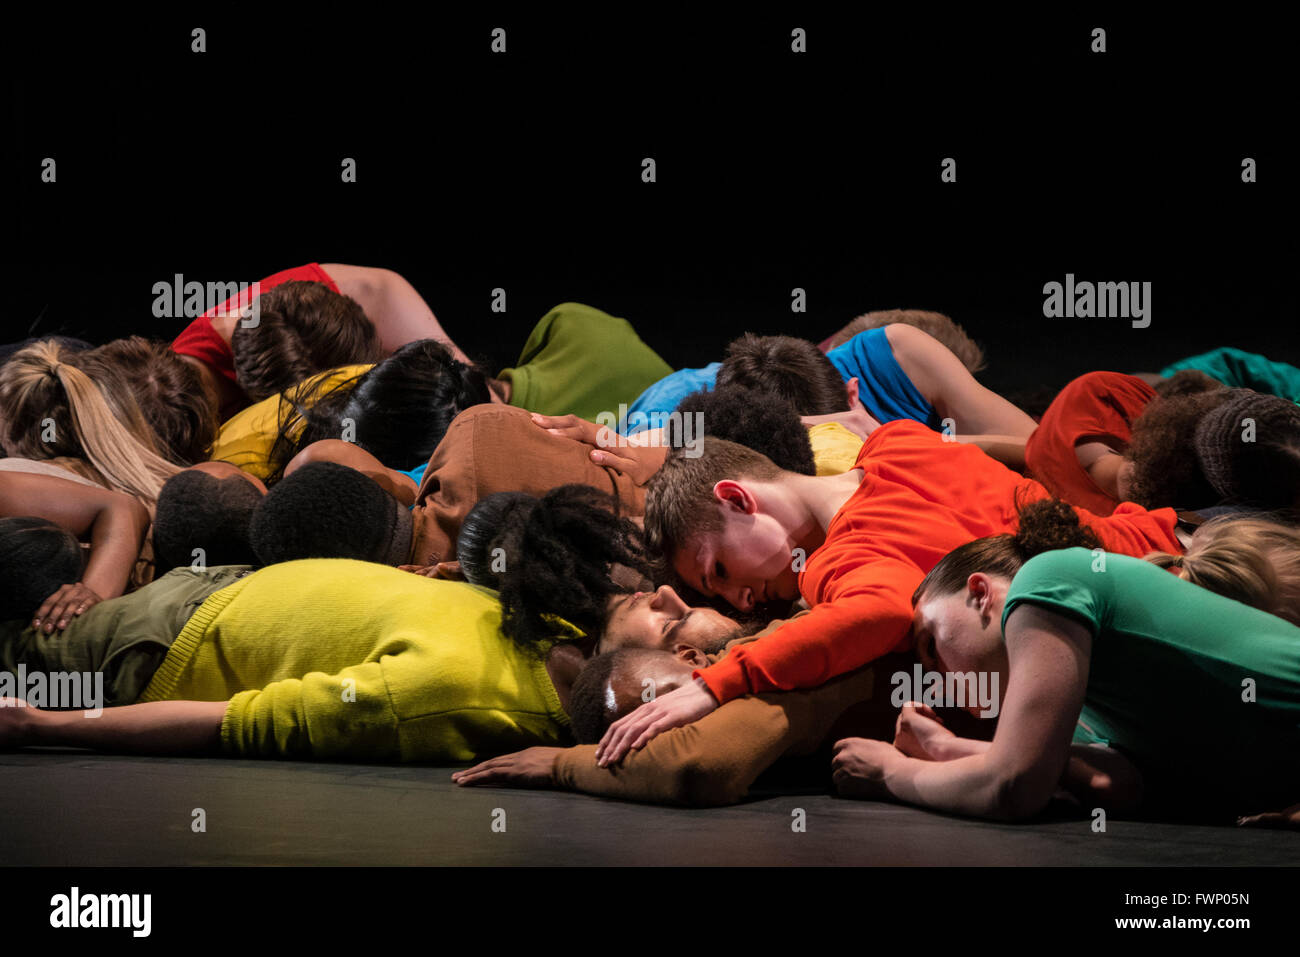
x: 726, y: 679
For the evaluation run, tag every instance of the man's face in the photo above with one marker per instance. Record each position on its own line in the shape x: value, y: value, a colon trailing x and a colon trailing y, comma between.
x: 749, y: 562
x: 660, y: 620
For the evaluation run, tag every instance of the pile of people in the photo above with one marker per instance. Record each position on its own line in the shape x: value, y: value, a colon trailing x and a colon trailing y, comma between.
x: 326, y: 533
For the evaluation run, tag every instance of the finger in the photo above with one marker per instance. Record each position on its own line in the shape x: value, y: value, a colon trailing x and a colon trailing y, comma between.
x: 47, y: 606
x: 610, y: 460
x: 614, y: 731
x: 618, y: 747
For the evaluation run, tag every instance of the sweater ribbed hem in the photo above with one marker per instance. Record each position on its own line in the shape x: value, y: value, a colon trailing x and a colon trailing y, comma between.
x: 168, y: 675
x: 547, y: 688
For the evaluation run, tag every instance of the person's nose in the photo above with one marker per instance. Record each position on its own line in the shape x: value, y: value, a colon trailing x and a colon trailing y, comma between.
x: 741, y: 597
x: 667, y: 600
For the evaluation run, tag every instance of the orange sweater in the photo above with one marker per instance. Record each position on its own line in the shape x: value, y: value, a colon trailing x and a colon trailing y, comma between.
x: 920, y: 497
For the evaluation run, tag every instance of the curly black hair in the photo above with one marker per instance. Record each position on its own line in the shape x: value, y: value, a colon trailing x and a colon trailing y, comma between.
x: 558, y: 557
x: 1166, y: 469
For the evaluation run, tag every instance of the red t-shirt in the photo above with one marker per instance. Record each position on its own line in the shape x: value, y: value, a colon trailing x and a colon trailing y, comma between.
x: 1099, y: 406
x: 920, y: 497
x: 201, y: 341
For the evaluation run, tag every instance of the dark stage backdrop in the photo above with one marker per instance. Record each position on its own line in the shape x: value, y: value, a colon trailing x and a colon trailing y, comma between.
x: 775, y: 170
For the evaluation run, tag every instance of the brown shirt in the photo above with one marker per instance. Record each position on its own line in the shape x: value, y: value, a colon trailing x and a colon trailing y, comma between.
x: 716, y: 760
x: 497, y: 448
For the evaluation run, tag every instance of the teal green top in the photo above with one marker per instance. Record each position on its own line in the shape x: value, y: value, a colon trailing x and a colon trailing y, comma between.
x: 1168, y: 673
x: 1244, y: 370
x: 581, y: 360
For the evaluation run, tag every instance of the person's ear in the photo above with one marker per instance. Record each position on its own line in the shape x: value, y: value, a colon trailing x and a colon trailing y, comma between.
x: 851, y: 388
x: 691, y: 655
x: 731, y: 493
x: 980, y: 588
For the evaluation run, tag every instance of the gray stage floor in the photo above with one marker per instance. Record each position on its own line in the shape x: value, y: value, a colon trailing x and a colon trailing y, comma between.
x: 75, y: 808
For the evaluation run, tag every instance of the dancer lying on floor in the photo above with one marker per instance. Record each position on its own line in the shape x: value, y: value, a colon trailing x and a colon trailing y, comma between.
x: 854, y: 546
x: 717, y: 759
x: 1191, y: 699
x: 301, y: 659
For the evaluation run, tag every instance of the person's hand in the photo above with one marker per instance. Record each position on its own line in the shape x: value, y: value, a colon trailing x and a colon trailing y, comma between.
x: 530, y: 768
x: 571, y: 427
x: 919, y: 733
x: 638, y: 457
x: 16, y: 720
x: 860, y: 765
x: 1288, y: 818
x: 448, y: 571
x: 64, y: 604
x: 678, y: 707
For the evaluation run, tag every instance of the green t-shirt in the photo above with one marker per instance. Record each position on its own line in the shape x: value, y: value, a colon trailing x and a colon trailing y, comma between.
x: 1244, y: 370
x: 581, y: 360
x: 1172, y: 672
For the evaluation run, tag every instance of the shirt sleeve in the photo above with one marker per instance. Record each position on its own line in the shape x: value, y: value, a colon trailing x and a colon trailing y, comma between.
x: 716, y: 760
x: 866, y: 614
x: 347, y: 715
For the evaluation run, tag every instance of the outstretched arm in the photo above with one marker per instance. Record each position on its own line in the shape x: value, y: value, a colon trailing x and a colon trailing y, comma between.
x: 399, y: 313
x: 1016, y: 776
x: 157, y: 727
x: 952, y: 390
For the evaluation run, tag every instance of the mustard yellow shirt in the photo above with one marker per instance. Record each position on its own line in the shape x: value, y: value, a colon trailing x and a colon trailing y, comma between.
x: 246, y: 438
x: 334, y: 658
x: 835, y: 448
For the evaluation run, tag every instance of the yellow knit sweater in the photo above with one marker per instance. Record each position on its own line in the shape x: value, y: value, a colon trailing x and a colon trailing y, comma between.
x: 333, y: 658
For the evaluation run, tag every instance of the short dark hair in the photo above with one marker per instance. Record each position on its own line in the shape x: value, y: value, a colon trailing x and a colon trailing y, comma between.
x: 327, y: 510
x: 198, y: 510
x: 303, y: 328
x: 762, y: 421
x: 589, y: 712
x: 794, y: 369
x: 37, y: 558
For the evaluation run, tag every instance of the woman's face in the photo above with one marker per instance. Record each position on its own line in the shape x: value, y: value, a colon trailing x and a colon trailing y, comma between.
x: 661, y: 620
x: 962, y: 631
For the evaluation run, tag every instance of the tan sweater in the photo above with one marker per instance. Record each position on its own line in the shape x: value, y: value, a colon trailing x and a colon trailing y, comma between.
x: 716, y: 760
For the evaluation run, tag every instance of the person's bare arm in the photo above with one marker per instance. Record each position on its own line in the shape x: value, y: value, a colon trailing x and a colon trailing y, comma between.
x: 156, y: 727
x: 115, y: 523
x: 397, y: 484
x: 1018, y: 773
x: 400, y: 315
x: 951, y: 389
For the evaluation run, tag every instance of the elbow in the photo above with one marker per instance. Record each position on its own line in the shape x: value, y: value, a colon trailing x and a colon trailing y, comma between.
x: 1018, y: 796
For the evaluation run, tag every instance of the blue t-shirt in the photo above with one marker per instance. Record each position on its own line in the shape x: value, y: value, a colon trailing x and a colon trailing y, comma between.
x: 884, y: 388
x: 666, y: 395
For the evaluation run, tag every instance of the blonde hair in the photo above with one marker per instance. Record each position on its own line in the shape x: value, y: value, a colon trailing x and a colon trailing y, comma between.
x: 1252, y: 560
x: 51, y: 409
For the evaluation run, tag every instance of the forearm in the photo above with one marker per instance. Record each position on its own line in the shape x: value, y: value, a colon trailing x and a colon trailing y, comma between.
x: 156, y: 727
x: 1007, y: 449
x: 968, y: 785
x: 116, y: 538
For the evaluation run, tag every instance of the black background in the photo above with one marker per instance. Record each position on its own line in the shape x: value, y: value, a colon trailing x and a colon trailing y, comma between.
x: 775, y: 170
